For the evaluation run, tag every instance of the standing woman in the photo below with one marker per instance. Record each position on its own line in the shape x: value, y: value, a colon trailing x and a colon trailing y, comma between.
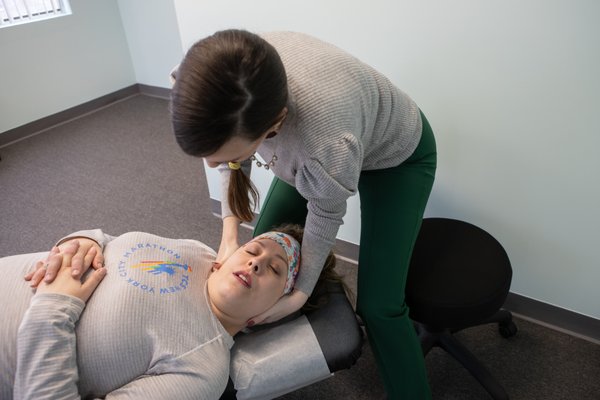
x: 328, y: 126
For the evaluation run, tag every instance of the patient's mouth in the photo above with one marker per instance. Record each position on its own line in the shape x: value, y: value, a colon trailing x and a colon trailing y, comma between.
x: 244, y: 278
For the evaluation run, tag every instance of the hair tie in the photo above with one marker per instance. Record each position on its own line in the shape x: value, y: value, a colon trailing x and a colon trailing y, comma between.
x: 234, y: 165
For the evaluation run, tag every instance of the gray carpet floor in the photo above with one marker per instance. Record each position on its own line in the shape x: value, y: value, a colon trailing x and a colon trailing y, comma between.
x: 120, y: 169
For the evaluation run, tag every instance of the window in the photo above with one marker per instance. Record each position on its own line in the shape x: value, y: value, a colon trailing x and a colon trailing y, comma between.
x: 13, y: 12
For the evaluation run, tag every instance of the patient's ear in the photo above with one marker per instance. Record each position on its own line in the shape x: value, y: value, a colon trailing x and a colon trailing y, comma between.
x: 215, y: 266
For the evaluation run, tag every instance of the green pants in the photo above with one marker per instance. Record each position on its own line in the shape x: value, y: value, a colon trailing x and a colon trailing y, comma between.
x: 392, y: 201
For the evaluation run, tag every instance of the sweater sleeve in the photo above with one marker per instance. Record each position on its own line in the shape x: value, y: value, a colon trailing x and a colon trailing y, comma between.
x: 46, y: 350
x: 327, y: 185
x: 95, y: 234
x: 47, y: 360
x: 225, y: 173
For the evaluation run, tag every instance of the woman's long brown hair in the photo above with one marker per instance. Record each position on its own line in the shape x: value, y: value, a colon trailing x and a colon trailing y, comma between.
x: 242, y: 195
x: 232, y: 83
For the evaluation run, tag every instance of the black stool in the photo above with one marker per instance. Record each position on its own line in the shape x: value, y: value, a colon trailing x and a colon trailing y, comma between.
x: 459, y: 277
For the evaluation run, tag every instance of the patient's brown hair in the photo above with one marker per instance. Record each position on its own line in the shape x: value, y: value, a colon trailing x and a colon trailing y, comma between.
x: 328, y: 273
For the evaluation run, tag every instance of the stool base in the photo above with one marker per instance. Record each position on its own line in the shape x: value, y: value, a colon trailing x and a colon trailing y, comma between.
x: 443, y: 338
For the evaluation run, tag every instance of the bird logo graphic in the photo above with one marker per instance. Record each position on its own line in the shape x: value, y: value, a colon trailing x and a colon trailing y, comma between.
x: 162, y: 267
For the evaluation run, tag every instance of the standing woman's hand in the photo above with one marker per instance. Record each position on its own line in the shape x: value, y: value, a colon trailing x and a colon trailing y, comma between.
x: 65, y: 282
x: 284, y: 307
x: 89, y: 254
x: 225, y: 250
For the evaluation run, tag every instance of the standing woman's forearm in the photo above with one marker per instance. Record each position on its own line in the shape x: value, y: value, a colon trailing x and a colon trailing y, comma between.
x: 230, y: 229
x: 229, y: 238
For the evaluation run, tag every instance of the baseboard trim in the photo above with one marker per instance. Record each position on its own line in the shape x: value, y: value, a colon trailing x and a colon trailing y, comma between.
x: 553, y: 317
x: 38, y: 126
x: 42, y: 124
x: 155, y: 91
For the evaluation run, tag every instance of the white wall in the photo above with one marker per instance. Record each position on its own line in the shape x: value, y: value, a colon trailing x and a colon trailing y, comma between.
x: 52, y: 65
x: 153, y: 38
x: 512, y: 91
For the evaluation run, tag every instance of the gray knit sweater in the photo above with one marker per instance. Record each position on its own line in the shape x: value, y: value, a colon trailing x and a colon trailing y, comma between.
x: 344, y: 117
x: 147, y: 332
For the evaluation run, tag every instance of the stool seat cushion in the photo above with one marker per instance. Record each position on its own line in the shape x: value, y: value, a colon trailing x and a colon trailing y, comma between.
x: 459, y: 274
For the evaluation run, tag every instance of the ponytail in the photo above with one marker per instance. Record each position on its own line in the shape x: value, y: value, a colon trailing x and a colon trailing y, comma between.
x: 239, y: 195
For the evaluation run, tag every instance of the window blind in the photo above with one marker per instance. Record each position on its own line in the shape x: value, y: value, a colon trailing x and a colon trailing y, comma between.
x: 14, y: 12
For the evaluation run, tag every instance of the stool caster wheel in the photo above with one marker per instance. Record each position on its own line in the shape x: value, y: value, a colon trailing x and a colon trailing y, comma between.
x: 508, y: 329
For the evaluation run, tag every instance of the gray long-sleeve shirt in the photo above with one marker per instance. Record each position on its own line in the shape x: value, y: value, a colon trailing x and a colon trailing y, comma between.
x: 147, y: 331
x: 344, y: 117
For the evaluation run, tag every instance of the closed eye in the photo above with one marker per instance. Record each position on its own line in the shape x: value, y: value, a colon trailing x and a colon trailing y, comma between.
x: 252, y: 249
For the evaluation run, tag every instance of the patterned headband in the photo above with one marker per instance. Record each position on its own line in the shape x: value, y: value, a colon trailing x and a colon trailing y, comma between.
x: 292, y: 250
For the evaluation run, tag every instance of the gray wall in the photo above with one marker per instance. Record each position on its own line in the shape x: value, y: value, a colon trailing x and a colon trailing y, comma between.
x: 52, y: 65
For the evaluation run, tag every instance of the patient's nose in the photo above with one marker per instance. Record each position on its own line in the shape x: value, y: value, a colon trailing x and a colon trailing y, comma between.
x: 254, y: 266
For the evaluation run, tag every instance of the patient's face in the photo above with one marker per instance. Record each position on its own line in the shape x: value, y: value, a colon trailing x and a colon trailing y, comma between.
x: 251, y: 280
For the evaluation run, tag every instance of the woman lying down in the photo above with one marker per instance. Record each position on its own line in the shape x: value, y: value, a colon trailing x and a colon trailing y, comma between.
x: 159, y: 324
